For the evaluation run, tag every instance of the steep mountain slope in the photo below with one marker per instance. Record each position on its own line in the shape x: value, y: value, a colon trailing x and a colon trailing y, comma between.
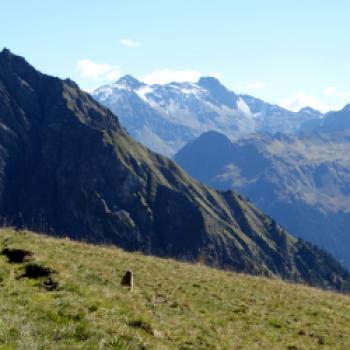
x: 166, y: 117
x: 173, y: 306
x: 303, y: 183
x: 68, y: 168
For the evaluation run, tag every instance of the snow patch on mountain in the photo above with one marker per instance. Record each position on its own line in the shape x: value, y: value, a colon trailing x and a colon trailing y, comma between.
x: 164, y: 117
x: 244, y: 108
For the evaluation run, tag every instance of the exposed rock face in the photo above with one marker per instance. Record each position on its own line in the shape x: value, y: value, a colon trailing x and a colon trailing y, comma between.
x: 67, y: 167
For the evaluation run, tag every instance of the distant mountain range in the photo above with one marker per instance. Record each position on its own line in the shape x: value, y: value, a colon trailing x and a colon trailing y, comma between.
x: 68, y: 168
x: 301, y: 181
x: 334, y: 125
x: 166, y: 117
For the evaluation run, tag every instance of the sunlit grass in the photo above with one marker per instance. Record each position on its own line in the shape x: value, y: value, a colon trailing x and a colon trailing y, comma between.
x: 173, y: 306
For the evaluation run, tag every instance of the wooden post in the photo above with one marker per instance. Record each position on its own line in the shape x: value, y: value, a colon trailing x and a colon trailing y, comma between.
x: 128, y: 280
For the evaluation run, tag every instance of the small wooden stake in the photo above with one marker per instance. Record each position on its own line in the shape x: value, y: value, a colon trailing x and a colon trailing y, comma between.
x: 128, y: 280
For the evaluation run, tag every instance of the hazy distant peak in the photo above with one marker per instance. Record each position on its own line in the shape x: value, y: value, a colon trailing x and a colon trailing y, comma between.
x: 309, y: 110
x: 210, y: 83
x: 347, y: 108
x: 129, y: 81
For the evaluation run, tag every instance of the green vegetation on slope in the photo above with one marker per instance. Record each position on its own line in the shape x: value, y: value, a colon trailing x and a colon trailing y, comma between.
x: 78, y: 303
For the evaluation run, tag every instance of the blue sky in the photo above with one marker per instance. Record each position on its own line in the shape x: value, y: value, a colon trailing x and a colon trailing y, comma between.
x: 289, y: 52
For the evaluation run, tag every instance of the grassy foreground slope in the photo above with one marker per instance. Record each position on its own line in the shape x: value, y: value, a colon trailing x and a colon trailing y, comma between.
x: 174, y: 305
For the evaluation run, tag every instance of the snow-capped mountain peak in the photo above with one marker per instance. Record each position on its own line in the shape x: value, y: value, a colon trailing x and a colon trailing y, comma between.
x: 129, y: 82
x: 166, y: 116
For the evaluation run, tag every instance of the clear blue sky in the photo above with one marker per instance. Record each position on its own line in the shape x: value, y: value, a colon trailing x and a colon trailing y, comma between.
x: 270, y: 49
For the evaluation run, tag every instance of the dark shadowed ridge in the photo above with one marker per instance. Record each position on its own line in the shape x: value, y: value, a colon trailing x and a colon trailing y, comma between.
x: 67, y: 167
